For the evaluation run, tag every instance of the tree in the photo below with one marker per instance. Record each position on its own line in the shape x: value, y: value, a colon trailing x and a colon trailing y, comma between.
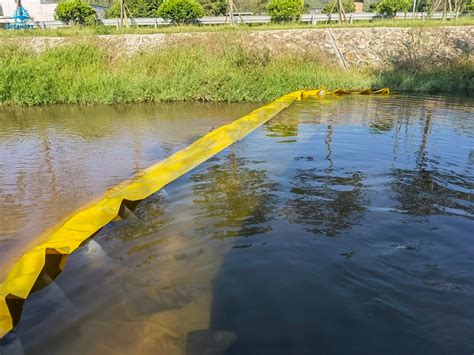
x: 285, y: 10
x: 180, y: 11
x: 136, y: 8
x: 389, y: 8
x: 333, y: 6
x: 453, y: 6
x: 76, y: 12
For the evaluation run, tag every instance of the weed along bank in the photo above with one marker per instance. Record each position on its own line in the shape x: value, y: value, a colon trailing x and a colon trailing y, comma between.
x: 233, y: 67
x: 275, y: 189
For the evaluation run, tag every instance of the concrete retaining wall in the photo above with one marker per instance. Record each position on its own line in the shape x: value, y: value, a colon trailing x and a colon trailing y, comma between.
x: 346, y: 46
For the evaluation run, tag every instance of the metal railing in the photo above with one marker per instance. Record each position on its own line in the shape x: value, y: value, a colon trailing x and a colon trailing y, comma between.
x: 312, y: 18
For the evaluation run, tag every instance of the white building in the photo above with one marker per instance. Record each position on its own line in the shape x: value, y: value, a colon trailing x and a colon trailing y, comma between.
x: 39, y: 10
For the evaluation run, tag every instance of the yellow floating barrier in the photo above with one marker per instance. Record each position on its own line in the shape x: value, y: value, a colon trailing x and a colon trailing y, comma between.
x: 46, y: 261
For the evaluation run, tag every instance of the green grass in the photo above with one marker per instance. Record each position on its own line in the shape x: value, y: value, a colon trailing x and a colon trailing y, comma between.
x: 92, y: 31
x: 456, y: 78
x: 219, y: 71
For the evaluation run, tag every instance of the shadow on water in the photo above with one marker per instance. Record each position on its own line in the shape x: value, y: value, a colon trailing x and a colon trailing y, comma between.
x: 425, y: 190
x: 282, y: 293
x: 340, y: 227
x: 264, y: 300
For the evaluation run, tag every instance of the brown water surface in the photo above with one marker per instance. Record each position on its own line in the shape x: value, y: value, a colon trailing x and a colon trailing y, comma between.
x: 55, y: 159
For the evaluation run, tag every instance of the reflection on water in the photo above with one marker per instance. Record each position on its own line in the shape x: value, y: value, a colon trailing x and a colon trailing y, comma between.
x: 342, y: 226
x: 55, y: 159
x: 234, y: 196
x: 328, y: 204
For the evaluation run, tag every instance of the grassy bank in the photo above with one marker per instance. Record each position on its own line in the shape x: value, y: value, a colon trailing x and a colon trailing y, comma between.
x: 221, y: 71
x: 99, y: 30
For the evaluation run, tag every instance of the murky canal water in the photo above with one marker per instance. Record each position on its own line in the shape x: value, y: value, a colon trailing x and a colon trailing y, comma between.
x: 343, y: 226
x: 55, y: 159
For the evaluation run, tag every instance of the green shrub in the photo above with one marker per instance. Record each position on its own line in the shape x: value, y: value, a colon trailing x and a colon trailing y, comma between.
x: 389, y: 8
x: 469, y: 6
x: 371, y: 8
x: 136, y: 8
x: 214, y: 7
x: 75, y: 12
x: 349, y: 6
x: 423, y: 5
x: 369, y: 5
x: 285, y: 10
x: 180, y: 11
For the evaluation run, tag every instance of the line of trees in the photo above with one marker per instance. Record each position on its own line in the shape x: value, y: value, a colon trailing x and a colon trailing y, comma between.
x: 80, y: 12
x: 149, y: 8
